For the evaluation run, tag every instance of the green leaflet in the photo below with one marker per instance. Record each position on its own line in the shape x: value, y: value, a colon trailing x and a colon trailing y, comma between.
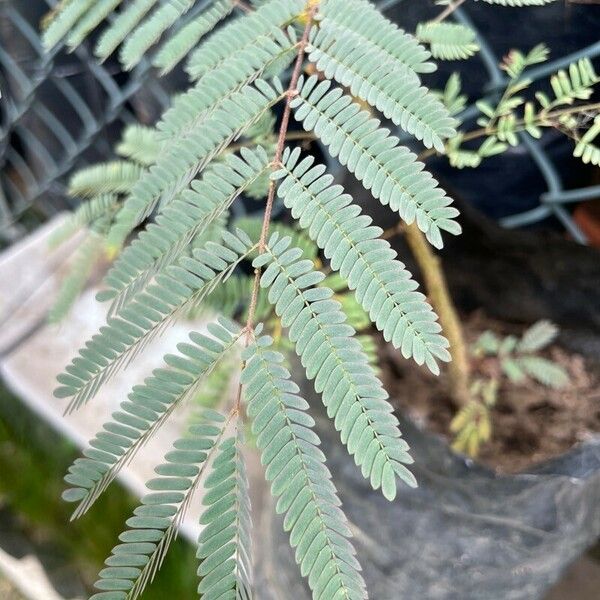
x: 299, y: 478
x: 242, y: 35
x: 125, y: 335
x: 389, y: 171
x: 147, y: 408
x: 124, y: 23
x: 153, y: 526
x: 362, y: 19
x: 114, y: 177
x: 383, y: 286
x: 387, y: 85
x: 140, y: 144
x: 90, y: 20
x: 183, y: 159
x: 187, y: 216
x: 448, y: 41
x: 64, y: 20
x: 182, y: 43
x: 224, y: 546
x: 538, y: 336
x: 543, y: 370
x: 151, y: 30
x: 192, y: 108
x: 334, y: 359
x: 585, y: 149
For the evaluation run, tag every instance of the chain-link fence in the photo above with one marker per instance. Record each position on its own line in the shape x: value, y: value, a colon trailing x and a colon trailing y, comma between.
x: 60, y: 111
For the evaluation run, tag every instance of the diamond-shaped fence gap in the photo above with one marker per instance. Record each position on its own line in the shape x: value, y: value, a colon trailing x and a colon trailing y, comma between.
x: 60, y: 111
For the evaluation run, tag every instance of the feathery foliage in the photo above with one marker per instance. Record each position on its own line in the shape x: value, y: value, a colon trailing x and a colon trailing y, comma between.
x: 518, y: 360
x: 585, y: 149
x: 63, y: 20
x: 151, y: 30
x: 224, y: 546
x: 353, y: 395
x: 97, y: 12
x: 504, y: 123
x: 125, y: 335
x: 181, y: 161
x: 389, y: 171
x: 215, y: 146
x: 186, y: 217
x: 244, y: 37
x: 153, y: 526
x: 140, y: 144
x: 116, y: 177
x: 299, y: 479
x: 183, y: 42
x: 538, y: 336
x: 383, y: 286
x: 448, y: 41
x: 145, y: 411
x: 348, y: 18
x: 122, y: 26
x: 414, y: 109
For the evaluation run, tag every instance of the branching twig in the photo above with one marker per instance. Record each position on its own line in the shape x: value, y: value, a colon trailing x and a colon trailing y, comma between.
x: 285, y: 120
x: 448, y: 11
x: 546, y: 119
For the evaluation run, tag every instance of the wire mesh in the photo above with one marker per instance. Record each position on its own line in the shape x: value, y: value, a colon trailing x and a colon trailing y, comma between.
x: 60, y: 111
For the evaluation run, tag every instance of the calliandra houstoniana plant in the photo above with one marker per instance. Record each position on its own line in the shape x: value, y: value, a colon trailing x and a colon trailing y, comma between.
x: 184, y: 174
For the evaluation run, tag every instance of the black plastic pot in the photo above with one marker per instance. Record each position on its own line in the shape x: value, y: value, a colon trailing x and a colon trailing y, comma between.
x: 467, y: 533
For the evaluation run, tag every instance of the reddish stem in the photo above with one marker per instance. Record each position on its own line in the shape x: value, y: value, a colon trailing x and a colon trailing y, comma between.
x: 285, y: 120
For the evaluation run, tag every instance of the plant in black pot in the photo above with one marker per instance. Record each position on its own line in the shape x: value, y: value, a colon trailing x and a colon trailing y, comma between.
x: 303, y: 286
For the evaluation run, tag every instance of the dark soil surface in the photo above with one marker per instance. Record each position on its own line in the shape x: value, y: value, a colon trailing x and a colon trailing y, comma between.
x: 531, y: 423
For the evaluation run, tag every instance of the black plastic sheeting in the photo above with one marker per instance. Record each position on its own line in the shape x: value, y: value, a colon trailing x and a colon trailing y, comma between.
x: 467, y: 533
x: 463, y: 534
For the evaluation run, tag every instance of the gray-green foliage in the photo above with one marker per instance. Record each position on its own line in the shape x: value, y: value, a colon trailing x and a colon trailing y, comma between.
x: 177, y: 289
x: 448, y: 41
x: 178, y: 179
x: 299, y: 478
x: 146, y: 409
x: 503, y: 122
x: 382, y: 284
x: 153, y: 526
x: 333, y: 358
x: 519, y: 357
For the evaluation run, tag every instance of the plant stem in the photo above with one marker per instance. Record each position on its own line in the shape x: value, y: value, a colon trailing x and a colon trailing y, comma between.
x: 291, y: 136
x: 439, y: 296
x: 285, y: 120
x: 448, y: 11
x: 292, y: 91
x: 544, y: 120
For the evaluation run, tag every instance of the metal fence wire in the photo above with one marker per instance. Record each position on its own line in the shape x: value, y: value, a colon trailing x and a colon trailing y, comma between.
x: 60, y: 111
